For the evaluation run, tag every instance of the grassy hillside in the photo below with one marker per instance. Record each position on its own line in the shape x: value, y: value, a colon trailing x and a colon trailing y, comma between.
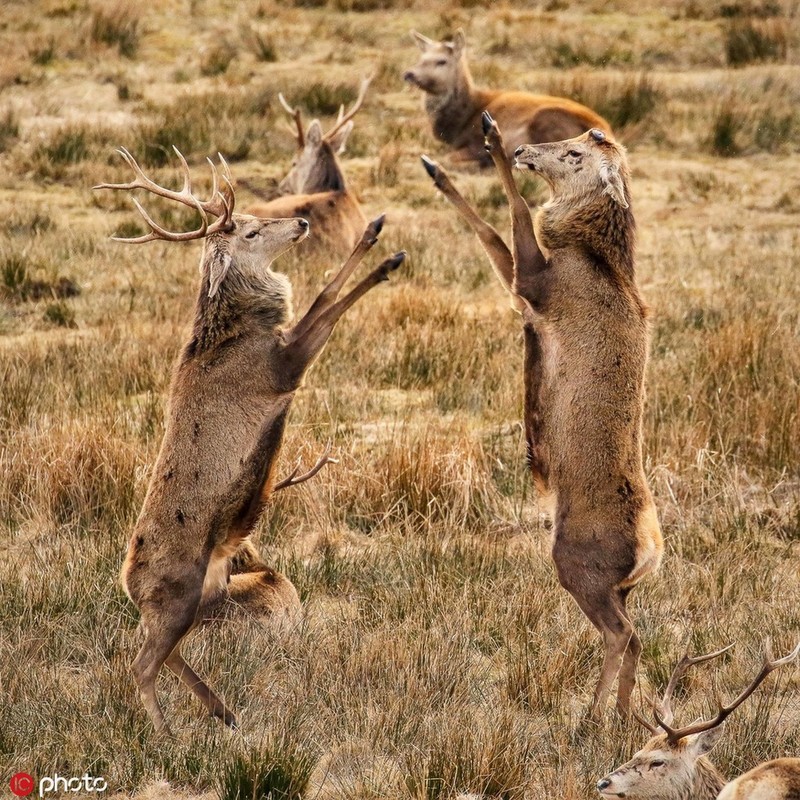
x: 439, y: 656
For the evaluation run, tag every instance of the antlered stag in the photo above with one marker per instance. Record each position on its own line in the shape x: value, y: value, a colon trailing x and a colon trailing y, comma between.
x: 586, y: 339
x: 231, y: 391
x: 673, y: 764
x: 454, y: 105
x: 315, y: 187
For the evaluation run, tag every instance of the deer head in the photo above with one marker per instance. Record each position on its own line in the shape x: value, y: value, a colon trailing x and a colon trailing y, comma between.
x: 441, y: 66
x: 671, y: 766
x: 237, y: 246
x: 315, y: 168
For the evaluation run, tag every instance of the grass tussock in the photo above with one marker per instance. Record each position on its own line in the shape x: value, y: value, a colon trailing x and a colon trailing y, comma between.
x: 117, y: 24
x: 750, y: 41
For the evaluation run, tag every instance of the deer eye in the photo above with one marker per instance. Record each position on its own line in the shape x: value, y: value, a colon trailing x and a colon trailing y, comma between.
x: 251, y: 235
x: 656, y: 764
x: 574, y: 153
x: 441, y: 62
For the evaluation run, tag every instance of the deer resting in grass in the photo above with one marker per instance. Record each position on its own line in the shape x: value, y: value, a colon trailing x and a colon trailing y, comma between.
x: 231, y: 391
x: 571, y: 276
x: 673, y: 764
x: 454, y: 105
x: 315, y: 187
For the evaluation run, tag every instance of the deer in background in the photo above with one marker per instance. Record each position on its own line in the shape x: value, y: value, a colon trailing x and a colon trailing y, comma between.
x: 232, y: 387
x: 454, y: 105
x: 673, y: 764
x: 585, y: 351
x: 315, y: 187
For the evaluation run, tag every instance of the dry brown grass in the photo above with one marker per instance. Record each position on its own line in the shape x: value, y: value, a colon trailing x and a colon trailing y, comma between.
x: 439, y: 656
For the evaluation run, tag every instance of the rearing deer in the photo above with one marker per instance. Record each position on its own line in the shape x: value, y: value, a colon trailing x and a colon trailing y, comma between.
x: 673, y: 764
x: 586, y: 341
x: 315, y: 187
x: 231, y: 391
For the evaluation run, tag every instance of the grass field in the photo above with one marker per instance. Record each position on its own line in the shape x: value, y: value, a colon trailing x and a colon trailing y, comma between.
x: 438, y: 656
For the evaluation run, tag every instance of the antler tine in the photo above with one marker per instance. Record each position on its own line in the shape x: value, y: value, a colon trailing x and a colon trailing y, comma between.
x: 321, y: 462
x: 675, y: 734
x: 296, y: 115
x: 187, y: 178
x: 665, y: 705
x: 643, y: 722
x: 157, y: 232
x: 342, y: 120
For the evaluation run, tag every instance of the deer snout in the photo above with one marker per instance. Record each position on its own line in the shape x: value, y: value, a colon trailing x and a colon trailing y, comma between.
x: 303, y: 223
x: 520, y: 155
x: 409, y: 76
x: 603, y: 783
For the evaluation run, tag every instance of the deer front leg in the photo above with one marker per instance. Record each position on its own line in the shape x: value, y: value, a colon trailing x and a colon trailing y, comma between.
x: 497, y: 250
x: 327, y: 297
x: 529, y: 262
x: 304, y: 345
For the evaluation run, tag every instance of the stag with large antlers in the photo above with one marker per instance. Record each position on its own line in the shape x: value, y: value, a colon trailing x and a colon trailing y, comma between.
x: 586, y: 339
x: 231, y: 391
x: 673, y: 764
x: 315, y: 187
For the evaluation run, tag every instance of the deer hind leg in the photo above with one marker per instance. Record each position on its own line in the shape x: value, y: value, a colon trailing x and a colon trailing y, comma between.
x: 630, y: 661
x: 602, y: 604
x: 200, y: 688
x: 165, y: 626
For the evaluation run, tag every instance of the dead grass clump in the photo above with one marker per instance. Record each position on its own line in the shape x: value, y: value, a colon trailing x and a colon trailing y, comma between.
x: 750, y: 41
x: 116, y: 25
x: 9, y: 128
x: 323, y: 98
x: 216, y: 59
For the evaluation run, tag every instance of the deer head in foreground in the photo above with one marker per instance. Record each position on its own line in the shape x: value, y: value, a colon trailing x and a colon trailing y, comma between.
x: 231, y: 391
x: 570, y: 273
x: 673, y: 764
x: 315, y: 186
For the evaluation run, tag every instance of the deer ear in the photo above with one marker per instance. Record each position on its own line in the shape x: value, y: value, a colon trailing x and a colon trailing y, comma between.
x: 459, y: 41
x: 219, y: 264
x: 423, y: 42
x: 339, y: 139
x: 613, y: 184
x: 314, y: 134
x: 699, y: 744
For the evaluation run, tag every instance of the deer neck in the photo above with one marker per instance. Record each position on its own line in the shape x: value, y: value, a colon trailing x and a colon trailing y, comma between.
x: 241, y: 304
x: 450, y: 113
x: 328, y: 179
x: 707, y: 781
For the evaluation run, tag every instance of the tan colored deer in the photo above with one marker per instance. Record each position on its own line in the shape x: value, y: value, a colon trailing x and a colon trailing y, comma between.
x: 231, y: 391
x: 315, y: 187
x: 586, y: 340
x: 673, y: 764
x: 454, y: 105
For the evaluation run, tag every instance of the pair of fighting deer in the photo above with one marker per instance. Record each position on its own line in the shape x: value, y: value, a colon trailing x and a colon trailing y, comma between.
x: 570, y: 273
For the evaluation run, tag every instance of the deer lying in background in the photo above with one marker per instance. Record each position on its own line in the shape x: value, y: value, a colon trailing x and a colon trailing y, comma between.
x: 454, y: 105
x: 673, y: 766
x: 586, y: 340
x: 231, y: 391
x: 315, y: 187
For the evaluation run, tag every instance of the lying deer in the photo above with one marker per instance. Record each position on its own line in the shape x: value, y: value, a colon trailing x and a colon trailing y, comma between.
x: 454, y: 105
x: 586, y: 340
x: 231, y: 391
x: 315, y: 187
x: 673, y: 764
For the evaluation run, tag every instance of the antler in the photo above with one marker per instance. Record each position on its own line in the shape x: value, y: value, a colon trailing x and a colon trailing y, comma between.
x: 220, y: 205
x: 293, y: 481
x: 675, y: 734
x: 663, y: 708
x: 342, y: 118
x: 296, y: 115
